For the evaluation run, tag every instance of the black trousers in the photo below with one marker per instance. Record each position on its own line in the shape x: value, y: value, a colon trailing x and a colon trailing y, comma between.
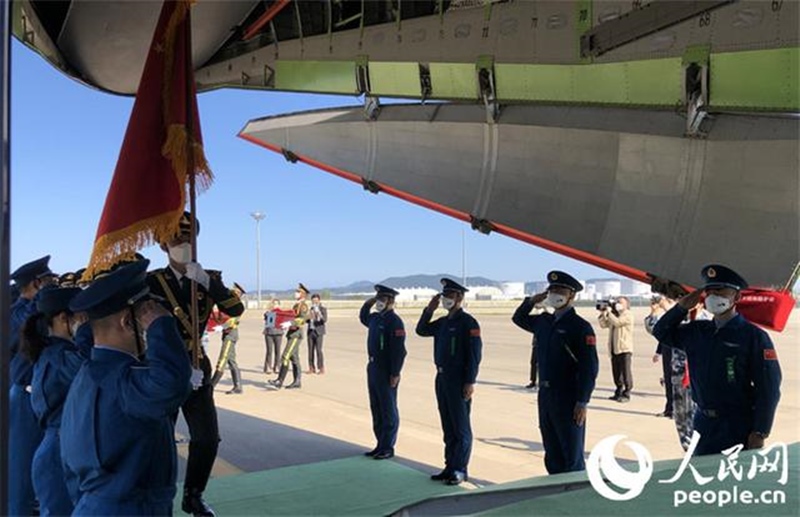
x: 666, y: 368
x: 533, y: 364
x: 201, y: 418
x: 272, y: 359
x: 315, y: 357
x: 621, y: 371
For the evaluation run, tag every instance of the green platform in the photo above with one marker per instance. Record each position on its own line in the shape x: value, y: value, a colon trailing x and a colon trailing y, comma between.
x: 350, y: 486
x: 360, y: 486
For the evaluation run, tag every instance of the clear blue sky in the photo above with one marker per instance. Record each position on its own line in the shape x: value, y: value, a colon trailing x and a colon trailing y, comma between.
x: 321, y: 230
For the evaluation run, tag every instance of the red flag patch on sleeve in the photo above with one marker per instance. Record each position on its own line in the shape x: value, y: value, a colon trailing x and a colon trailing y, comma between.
x: 591, y: 340
x: 399, y: 332
x: 475, y: 332
x: 770, y: 354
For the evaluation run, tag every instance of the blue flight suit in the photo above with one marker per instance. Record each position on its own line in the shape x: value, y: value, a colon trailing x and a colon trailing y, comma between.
x: 567, y: 372
x: 84, y: 340
x: 386, y: 348
x: 24, y: 433
x: 117, y: 431
x: 457, y: 350
x: 735, y: 377
x: 53, y: 373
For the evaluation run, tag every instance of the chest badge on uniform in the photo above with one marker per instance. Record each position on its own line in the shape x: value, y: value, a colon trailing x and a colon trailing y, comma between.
x: 729, y: 368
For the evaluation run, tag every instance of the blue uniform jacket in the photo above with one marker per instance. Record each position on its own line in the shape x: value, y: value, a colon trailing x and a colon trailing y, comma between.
x: 84, y: 340
x: 567, y: 351
x: 457, y: 344
x: 386, y: 340
x: 733, y: 369
x: 52, y: 376
x: 21, y: 368
x: 117, y: 434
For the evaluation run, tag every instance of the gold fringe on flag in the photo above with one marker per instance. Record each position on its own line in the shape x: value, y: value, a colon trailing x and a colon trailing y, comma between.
x: 122, y: 245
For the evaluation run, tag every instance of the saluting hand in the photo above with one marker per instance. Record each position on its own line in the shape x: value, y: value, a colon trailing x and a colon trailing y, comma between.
x: 148, y: 312
x: 469, y: 389
x: 690, y: 300
x: 539, y: 298
x: 434, y: 303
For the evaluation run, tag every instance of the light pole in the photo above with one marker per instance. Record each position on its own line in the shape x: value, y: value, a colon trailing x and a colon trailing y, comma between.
x: 258, y: 216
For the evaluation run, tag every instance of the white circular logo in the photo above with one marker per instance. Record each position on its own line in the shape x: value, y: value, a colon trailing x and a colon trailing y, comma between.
x: 603, y: 466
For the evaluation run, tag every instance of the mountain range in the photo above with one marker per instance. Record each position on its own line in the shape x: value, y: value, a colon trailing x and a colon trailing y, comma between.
x: 409, y: 281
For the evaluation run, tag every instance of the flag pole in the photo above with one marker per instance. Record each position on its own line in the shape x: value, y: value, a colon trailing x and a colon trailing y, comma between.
x: 192, y: 184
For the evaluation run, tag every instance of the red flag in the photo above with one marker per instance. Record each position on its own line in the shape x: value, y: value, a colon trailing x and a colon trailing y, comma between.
x: 148, y: 191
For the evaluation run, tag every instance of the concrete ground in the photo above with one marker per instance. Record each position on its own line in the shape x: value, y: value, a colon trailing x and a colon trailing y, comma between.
x: 329, y: 417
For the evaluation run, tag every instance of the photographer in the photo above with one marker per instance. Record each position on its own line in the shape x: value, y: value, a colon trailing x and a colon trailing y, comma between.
x: 617, y: 318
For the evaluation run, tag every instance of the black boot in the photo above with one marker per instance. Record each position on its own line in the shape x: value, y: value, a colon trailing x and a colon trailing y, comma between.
x: 277, y: 383
x: 193, y: 504
x: 237, y: 382
x: 296, y: 373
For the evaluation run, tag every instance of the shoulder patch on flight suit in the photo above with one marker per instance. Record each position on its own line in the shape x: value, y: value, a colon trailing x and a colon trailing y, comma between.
x: 591, y: 340
x: 475, y: 332
x: 770, y: 354
x: 399, y: 332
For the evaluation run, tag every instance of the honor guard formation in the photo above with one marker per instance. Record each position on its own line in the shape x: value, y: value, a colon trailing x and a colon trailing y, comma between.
x: 100, y: 370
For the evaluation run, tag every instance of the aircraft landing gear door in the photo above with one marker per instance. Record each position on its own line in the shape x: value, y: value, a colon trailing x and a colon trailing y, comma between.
x: 486, y: 87
x: 695, y: 89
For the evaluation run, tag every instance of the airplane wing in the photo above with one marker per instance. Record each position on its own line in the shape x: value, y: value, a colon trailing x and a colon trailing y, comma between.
x: 436, y: 49
x: 622, y: 189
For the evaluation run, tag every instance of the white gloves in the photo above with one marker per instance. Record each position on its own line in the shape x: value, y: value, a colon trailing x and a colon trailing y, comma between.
x: 194, y: 271
x: 197, y: 378
x: 218, y: 328
x: 286, y: 324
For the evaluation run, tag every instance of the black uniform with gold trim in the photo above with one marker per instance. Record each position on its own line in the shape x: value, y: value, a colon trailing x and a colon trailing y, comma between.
x: 198, y: 410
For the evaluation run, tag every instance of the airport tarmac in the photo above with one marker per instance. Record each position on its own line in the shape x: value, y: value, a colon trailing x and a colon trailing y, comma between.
x: 329, y: 417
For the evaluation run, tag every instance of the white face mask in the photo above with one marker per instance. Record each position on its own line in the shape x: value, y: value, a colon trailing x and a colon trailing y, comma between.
x: 182, y: 253
x: 716, y: 304
x: 380, y: 305
x: 448, y: 303
x: 556, y: 301
x: 619, y: 307
x: 297, y: 295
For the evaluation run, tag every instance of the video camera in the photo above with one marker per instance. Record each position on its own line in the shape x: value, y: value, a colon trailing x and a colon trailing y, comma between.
x: 603, y: 305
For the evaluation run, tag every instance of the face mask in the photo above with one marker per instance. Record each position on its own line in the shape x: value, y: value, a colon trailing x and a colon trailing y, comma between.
x: 556, y: 301
x: 297, y: 295
x: 618, y: 307
x: 182, y: 253
x: 315, y: 305
x: 448, y: 303
x: 716, y: 304
x: 380, y: 305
